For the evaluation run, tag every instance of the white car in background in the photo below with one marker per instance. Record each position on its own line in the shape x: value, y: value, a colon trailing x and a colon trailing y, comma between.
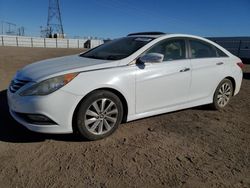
x: 137, y: 76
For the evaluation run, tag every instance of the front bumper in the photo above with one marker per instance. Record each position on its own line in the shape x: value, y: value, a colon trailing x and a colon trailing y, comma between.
x: 58, y: 106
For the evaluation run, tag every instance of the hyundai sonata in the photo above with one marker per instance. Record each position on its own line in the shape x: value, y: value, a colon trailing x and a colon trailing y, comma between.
x: 137, y: 76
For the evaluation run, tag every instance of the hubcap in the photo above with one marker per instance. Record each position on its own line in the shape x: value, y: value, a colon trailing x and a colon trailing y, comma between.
x: 224, y: 95
x: 101, y: 116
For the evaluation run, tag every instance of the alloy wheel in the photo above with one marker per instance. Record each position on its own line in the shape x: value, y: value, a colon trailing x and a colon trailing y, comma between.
x: 224, y: 94
x: 101, y: 116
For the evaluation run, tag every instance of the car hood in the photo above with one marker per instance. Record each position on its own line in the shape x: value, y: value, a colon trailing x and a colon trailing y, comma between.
x: 62, y: 65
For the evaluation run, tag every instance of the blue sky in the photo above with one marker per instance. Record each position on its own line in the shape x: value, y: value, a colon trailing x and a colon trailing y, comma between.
x: 115, y: 18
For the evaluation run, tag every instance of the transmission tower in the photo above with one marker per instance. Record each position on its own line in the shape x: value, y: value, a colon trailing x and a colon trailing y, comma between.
x: 11, y: 28
x: 54, y: 23
x: 20, y: 31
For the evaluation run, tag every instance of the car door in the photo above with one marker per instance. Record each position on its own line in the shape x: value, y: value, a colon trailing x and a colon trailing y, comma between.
x: 166, y: 84
x: 207, y: 68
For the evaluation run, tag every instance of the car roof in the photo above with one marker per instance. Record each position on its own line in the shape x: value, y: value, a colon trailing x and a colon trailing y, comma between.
x: 161, y: 36
x: 155, y: 35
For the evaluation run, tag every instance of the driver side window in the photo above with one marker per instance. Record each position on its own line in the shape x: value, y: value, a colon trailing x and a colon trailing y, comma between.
x: 171, y: 49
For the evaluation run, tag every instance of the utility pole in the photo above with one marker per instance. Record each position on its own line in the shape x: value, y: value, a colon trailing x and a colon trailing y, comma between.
x: 54, y: 23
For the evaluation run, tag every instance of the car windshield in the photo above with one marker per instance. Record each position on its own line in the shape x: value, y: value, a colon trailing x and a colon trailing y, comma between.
x: 117, y: 49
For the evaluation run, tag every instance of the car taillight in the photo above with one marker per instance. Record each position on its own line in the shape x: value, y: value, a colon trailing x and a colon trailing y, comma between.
x: 240, y: 64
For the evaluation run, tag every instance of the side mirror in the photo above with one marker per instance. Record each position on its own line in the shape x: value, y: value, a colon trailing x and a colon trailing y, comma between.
x: 151, y: 58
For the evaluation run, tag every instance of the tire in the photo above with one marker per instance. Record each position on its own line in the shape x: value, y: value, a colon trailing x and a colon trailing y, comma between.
x: 223, y: 94
x: 99, y: 115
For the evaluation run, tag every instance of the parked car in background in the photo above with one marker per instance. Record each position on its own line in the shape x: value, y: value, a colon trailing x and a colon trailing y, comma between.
x: 137, y: 76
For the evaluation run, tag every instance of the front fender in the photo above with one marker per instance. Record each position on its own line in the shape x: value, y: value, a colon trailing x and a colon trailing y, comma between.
x: 121, y: 79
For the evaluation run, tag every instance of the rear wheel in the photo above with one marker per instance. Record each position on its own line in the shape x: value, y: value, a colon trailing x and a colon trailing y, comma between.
x: 223, y: 94
x: 99, y: 115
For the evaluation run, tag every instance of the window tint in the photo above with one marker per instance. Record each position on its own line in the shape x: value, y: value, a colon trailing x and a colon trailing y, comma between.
x: 171, y: 49
x: 201, y: 49
x: 221, y: 53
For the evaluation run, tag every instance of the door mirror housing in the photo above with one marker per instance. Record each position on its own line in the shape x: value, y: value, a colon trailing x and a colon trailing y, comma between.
x: 151, y: 58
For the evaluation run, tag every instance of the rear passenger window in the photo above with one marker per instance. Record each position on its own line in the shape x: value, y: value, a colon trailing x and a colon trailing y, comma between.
x: 171, y: 49
x: 221, y: 53
x: 201, y: 49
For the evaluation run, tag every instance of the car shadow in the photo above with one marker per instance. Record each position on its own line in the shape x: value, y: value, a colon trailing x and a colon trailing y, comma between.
x: 11, y: 131
x: 206, y: 107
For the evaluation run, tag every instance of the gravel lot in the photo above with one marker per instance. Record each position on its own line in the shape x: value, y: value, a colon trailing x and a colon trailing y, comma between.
x: 197, y: 147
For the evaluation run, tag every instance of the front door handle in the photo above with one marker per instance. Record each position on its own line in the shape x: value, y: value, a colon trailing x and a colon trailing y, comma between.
x: 185, y: 70
x: 219, y: 63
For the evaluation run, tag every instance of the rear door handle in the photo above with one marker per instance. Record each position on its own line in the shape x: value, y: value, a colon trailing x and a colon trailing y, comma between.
x: 220, y: 63
x: 185, y: 70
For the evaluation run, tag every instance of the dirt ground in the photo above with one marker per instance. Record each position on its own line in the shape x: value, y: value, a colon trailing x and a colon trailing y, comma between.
x: 197, y: 147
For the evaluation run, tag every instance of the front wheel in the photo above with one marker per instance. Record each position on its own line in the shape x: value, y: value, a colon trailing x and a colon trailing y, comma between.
x: 99, y: 115
x: 223, y: 94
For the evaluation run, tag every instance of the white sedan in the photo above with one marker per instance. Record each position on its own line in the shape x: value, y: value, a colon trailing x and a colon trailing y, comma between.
x: 137, y: 76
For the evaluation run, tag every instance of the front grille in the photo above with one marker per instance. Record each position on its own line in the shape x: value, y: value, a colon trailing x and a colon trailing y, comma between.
x: 17, y: 84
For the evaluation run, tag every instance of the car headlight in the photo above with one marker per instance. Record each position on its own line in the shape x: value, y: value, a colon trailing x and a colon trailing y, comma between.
x: 48, y: 86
